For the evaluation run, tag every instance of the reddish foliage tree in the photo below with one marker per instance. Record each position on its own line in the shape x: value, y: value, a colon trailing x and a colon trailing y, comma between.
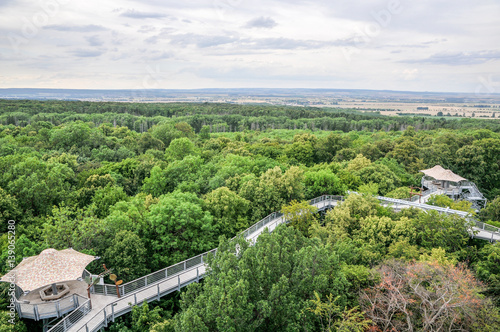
x: 423, y: 296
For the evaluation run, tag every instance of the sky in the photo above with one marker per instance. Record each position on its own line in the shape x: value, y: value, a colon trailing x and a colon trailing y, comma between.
x: 441, y: 46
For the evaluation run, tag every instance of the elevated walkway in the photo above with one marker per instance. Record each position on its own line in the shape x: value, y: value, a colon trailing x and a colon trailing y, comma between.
x: 106, y: 307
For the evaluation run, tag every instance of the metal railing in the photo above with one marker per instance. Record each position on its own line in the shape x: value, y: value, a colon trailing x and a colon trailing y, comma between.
x: 157, y: 284
x: 154, y: 277
x: 151, y: 287
x: 51, y: 309
x: 480, y: 226
x: 105, y: 289
x: 73, y: 318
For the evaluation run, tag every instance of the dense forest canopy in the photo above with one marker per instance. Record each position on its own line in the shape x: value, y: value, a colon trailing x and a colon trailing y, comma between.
x: 147, y: 185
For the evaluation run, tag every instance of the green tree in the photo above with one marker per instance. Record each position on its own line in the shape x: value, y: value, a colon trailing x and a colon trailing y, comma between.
x: 379, y: 174
x: 37, y: 185
x: 332, y: 318
x: 180, y: 148
x: 358, y: 163
x: 323, y: 182
x: 488, y: 269
x: 106, y: 197
x: 265, y: 287
x: 205, y: 133
x: 302, y: 149
x: 127, y: 256
x: 9, y: 209
x: 491, y: 211
x: 330, y: 145
x: 188, y: 174
x: 433, y: 230
x: 272, y: 190
x: 228, y: 209
x: 24, y: 248
x: 6, y: 326
x: 399, y: 193
x: 407, y: 153
x: 178, y: 229
x: 445, y: 201
x: 71, y: 227
x: 300, y: 215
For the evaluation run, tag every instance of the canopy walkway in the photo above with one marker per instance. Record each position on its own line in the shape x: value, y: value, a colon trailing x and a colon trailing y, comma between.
x: 106, y: 306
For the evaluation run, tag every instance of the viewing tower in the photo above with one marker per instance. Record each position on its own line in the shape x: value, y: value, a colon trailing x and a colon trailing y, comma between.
x: 440, y: 181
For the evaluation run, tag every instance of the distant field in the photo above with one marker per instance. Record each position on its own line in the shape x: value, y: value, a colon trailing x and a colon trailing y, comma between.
x: 454, y: 110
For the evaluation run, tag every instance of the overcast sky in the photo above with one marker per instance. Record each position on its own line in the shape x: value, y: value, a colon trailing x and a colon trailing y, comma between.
x: 422, y: 45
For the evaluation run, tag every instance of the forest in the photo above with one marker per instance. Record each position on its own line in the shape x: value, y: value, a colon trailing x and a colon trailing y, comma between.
x: 145, y: 185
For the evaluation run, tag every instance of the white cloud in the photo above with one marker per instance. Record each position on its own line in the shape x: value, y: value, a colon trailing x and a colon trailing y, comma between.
x: 241, y: 43
x: 261, y: 22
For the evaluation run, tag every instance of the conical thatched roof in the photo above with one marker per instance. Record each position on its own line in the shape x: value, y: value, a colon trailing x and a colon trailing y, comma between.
x: 50, y: 267
x: 441, y: 174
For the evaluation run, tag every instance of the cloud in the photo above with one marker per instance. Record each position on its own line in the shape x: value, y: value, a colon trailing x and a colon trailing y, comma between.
x: 75, y: 28
x: 87, y: 53
x: 410, y: 74
x: 459, y: 58
x: 244, y: 44
x: 291, y: 44
x: 202, y: 41
x: 146, y: 29
x: 132, y: 13
x: 94, y: 40
x: 157, y: 55
x: 5, y: 3
x: 261, y: 22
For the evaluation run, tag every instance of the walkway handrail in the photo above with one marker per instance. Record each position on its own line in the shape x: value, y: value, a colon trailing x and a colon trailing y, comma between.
x: 131, y: 293
x: 164, y: 273
x: 154, y: 279
x: 71, y: 319
x: 479, y: 224
x: 109, y: 307
x: 50, y: 309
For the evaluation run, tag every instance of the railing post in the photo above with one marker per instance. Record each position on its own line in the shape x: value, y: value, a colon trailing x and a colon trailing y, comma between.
x: 35, y: 311
x: 113, y: 312
x: 184, y: 265
x: 158, y: 286
x: 105, y: 290
x: 58, y: 309
x: 135, y: 299
x: 145, y: 281
x: 179, y: 283
x: 86, y: 328
x: 201, y: 259
x: 105, y: 318
x: 19, y: 311
x: 197, y: 275
x: 64, y: 324
x: 166, y: 270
